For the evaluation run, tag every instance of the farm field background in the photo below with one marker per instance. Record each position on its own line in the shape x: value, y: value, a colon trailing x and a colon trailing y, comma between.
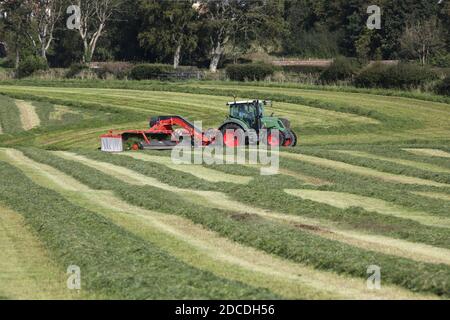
x: 368, y: 184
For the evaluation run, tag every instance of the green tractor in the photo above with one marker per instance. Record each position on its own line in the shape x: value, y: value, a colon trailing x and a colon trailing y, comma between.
x: 249, y: 117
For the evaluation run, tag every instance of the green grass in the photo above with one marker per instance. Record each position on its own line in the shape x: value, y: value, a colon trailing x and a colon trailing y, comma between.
x: 284, y: 241
x: 375, y: 126
x: 113, y: 261
x: 408, y: 118
x: 9, y: 116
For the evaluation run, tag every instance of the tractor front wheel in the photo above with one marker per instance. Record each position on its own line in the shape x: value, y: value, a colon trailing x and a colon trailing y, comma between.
x: 233, y: 135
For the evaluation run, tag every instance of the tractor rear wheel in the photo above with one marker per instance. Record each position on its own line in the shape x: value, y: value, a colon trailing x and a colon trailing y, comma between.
x: 233, y: 135
x: 291, y: 139
x: 273, y: 139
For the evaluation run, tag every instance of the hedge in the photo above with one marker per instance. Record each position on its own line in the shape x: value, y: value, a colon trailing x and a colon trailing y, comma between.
x: 401, y: 76
x: 444, y: 87
x: 341, y: 69
x: 149, y: 71
x: 31, y: 64
x: 249, y: 71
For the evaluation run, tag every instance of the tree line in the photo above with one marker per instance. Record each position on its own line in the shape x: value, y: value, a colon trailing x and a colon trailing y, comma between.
x: 210, y: 33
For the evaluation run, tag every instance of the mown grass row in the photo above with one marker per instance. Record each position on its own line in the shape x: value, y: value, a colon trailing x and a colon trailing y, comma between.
x: 397, y: 151
x: 113, y: 261
x: 387, y: 122
x: 85, y: 116
x: 198, y: 247
x: 405, y: 124
x: 145, y: 85
x: 9, y: 116
x: 274, y: 197
x: 285, y: 241
x: 384, y: 166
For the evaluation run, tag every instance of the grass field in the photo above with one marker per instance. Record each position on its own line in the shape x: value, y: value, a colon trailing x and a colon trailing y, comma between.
x: 368, y: 184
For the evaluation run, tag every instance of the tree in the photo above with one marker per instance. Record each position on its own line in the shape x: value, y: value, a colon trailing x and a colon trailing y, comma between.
x: 237, y: 23
x: 16, y: 25
x: 422, y: 39
x: 169, y: 27
x: 45, y: 14
x: 93, y: 20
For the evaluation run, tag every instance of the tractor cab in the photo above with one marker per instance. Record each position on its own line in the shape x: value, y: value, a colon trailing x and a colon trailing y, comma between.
x: 250, y: 112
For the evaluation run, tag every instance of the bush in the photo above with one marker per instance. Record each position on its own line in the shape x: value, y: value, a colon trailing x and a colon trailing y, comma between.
x: 401, y: 76
x: 118, y: 70
x: 149, y: 71
x: 250, y: 71
x: 31, y: 64
x: 7, y: 63
x: 441, y: 61
x: 75, y: 69
x: 341, y: 69
x: 444, y: 87
x: 303, y: 69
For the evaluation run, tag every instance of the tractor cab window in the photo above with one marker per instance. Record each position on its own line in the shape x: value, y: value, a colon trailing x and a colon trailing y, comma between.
x: 245, y: 112
x: 261, y: 109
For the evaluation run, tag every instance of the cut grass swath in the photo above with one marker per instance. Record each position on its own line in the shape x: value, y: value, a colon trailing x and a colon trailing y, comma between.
x: 347, y: 200
x: 434, y: 195
x: 198, y: 246
x: 196, y: 170
x: 28, y: 115
x: 285, y: 241
x: 428, y: 152
x: 27, y: 272
x: 9, y: 116
x: 117, y: 167
x: 414, y: 164
x: 114, y: 262
x: 362, y: 170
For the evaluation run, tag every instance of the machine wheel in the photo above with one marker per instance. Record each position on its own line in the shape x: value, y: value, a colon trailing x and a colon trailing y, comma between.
x: 291, y: 139
x: 232, y: 140
x: 272, y: 140
x: 133, y: 143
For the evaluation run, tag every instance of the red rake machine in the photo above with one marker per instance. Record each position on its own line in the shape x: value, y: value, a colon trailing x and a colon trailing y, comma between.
x: 164, y: 134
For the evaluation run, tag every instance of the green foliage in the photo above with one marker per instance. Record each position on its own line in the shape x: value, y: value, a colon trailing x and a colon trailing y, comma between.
x: 401, y: 76
x: 249, y: 72
x: 441, y: 60
x: 103, y: 54
x: 117, y: 70
x: 312, y: 43
x: 341, y: 69
x: 167, y: 26
x: 75, y: 69
x: 303, y: 69
x: 149, y: 71
x: 6, y: 63
x: 444, y: 87
x: 31, y: 64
